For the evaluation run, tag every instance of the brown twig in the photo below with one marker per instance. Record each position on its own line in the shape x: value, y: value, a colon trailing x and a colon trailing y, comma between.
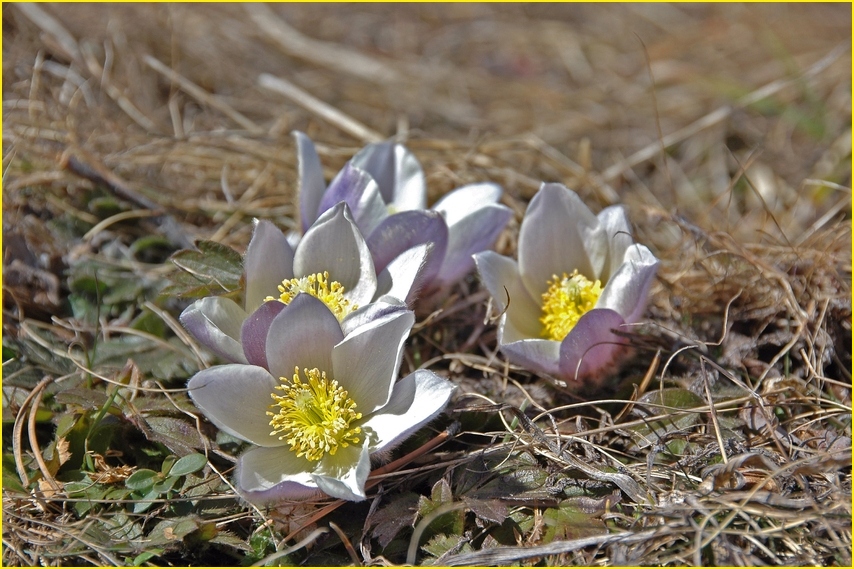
x: 320, y: 108
x: 82, y: 163
x: 201, y: 95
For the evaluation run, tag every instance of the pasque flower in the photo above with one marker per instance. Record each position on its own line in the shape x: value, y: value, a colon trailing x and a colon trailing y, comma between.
x: 578, y: 279
x: 316, y: 402
x: 385, y: 188
x: 331, y: 262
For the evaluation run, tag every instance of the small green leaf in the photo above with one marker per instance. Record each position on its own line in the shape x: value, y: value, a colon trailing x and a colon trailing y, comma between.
x: 188, y: 464
x: 168, y: 463
x: 82, y: 398
x: 569, y: 521
x: 145, y: 556
x: 668, y: 402
x: 146, y: 502
x: 441, y: 544
x: 212, y: 262
x: 165, y: 485
x: 142, y: 479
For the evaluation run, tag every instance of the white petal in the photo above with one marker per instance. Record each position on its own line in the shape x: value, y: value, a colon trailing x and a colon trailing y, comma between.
x: 366, y: 362
x: 236, y: 399
x: 459, y: 203
x: 618, y: 234
x: 343, y: 474
x: 627, y: 290
x: 268, y: 261
x: 536, y: 355
x: 552, y: 237
x: 269, y: 475
x: 360, y: 192
x: 501, y: 277
x: 397, y: 172
x: 417, y: 398
x: 311, y: 185
x: 334, y: 244
x: 406, y: 274
x: 215, y: 322
x: 302, y: 336
x: 472, y: 234
x: 383, y: 306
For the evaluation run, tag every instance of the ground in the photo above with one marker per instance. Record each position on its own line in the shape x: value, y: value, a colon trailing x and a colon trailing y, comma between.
x: 723, y: 128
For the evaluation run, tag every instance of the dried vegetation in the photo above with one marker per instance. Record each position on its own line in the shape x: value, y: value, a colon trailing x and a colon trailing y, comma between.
x: 129, y: 131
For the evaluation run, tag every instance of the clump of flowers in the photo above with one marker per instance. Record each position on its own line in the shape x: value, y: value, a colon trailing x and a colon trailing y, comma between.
x: 315, y: 401
x: 385, y: 188
x: 579, y: 278
x: 331, y: 262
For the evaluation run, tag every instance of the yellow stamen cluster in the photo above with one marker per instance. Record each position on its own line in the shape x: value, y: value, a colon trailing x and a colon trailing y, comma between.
x: 318, y: 286
x: 567, y: 300
x: 314, y: 417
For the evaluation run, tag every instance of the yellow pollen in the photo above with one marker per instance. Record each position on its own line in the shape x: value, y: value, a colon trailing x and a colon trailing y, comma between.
x: 314, y: 417
x: 318, y: 286
x: 567, y: 300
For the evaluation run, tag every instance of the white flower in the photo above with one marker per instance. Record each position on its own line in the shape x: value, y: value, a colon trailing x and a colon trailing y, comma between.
x: 579, y: 278
x: 332, y: 261
x: 384, y: 186
x: 317, y: 403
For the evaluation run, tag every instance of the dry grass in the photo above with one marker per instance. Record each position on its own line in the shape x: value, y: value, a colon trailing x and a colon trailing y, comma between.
x: 132, y: 130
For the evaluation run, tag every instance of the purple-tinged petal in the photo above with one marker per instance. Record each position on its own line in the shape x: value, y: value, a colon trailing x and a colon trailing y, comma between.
x: 236, y: 399
x: 215, y: 322
x: 618, y: 233
x: 366, y: 362
x: 404, y: 277
x: 628, y: 289
x: 474, y: 233
x: 302, y: 336
x: 268, y: 261
x: 272, y: 475
x: 311, y: 185
x: 519, y: 326
x: 536, y: 355
x: 552, y: 237
x: 405, y: 230
x: 383, y: 306
x: 398, y: 173
x: 459, y: 203
x: 335, y: 244
x: 253, y: 335
x: 361, y: 193
x: 590, y: 350
x: 343, y: 475
x: 417, y: 399
x: 500, y: 276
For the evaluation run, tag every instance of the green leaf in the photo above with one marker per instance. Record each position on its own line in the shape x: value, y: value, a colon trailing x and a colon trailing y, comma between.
x: 11, y: 480
x: 441, y: 544
x: 82, y: 398
x: 569, y: 521
x: 188, y: 464
x: 165, y: 486
x: 146, y: 502
x: 142, y: 479
x: 667, y: 402
x: 212, y: 262
x: 178, y: 434
x: 145, y: 556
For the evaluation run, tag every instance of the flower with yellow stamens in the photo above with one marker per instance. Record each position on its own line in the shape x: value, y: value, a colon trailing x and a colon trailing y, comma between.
x: 386, y: 189
x: 332, y: 262
x: 317, y: 402
x: 564, y: 326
